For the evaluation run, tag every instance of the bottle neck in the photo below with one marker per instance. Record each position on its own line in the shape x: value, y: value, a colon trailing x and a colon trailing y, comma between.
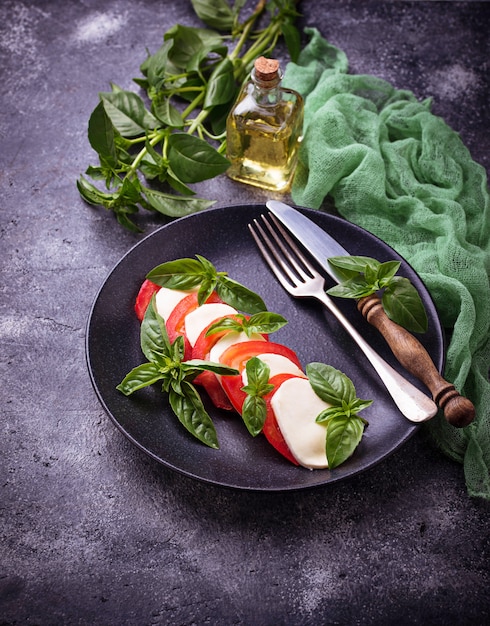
x: 267, y: 91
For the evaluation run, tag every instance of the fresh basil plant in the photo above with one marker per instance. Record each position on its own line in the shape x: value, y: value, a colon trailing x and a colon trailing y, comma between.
x: 151, y: 147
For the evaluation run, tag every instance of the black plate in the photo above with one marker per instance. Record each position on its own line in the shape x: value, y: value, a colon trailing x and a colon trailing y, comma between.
x: 243, y: 462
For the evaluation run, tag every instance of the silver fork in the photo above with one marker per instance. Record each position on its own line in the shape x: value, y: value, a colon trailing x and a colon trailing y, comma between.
x: 299, y: 278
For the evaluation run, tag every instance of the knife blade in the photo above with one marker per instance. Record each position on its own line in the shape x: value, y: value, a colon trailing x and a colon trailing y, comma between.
x: 318, y: 242
x: 410, y: 353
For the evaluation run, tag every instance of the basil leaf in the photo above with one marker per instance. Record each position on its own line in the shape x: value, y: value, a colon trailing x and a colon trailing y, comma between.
x: 370, y: 277
x: 400, y: 299
x: 123, y: 219
x: 207, y: 265
x: 353, y: 288
x: 154, y: 155
x: 214, y: 13
x: 122, y: 202
x: 254, y: 412
x: 154, y: 340
x: 217, y: 118
x: 226, y: 323
x: 128, y: 113
x: 190, y: 411
x: 91, y: 194
x: 221, y: 86
x: 130, y: 192
x: 101, y: 135
x: 329, y: 413
x: 198, y: 365
x: 354, y: 264
x: 157, y: 67
x: 208, y: 284
x: 238, y: 296
x: 97, y: 173
x: 258, y: 374
x: 264, y: 323
x: 330, y: 384
x: 345, y: 410
x: 185, y: 44
x: 387, y: 271
x: 175, y: 206
x: 343, y: 436
x: 359, y: 405
x: 198, y: 204
x: 193, y: 159
x: 150, y: 169
x: 142, y: 376
x: 190, y: 45
x: 403, y: 305
x: 341, y: 291
x: 254, y: 409
x: 344, y: 428
x: 177, y: 349
x: 292, y: 38
x: 167, y: 114
x: 259, y: 323
x: 181, y: 274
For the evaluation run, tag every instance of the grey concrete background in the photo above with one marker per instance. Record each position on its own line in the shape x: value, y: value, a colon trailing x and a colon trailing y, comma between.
x: 94, y: 532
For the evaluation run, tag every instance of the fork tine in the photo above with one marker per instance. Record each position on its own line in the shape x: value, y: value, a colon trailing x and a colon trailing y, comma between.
x: 282, y: 253
x: 300, y: 262
x: 270, y: 254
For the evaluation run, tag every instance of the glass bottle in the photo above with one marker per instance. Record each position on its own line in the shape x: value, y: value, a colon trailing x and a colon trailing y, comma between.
x: 264, y: 129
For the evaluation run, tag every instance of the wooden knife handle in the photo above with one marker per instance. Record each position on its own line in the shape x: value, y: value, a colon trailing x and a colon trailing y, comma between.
x: 458, y: 411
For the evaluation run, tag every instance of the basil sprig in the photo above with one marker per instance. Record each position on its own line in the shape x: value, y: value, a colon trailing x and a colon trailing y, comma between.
x: 175, y: 136
x: 254, y: 410
x: 165, y: 365
x: 188, y: 273
x: 363, y: 276
x: 261, y: 323
x: 344, y: 427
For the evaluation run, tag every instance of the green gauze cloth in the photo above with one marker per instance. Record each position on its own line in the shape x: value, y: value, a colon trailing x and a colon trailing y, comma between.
x: 400, y: 172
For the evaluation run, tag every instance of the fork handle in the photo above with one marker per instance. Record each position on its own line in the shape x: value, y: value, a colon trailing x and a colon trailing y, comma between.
x: 458, y: 410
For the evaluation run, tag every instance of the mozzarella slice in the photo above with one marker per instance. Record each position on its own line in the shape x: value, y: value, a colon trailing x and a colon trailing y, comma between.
x: 296, y: 407
x: 167, y: 299
x: 197, y: 320
x: 278, y: 364
x: 228, y: 340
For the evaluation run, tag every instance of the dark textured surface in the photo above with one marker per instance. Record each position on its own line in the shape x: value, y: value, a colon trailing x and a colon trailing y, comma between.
x: 93, y: 531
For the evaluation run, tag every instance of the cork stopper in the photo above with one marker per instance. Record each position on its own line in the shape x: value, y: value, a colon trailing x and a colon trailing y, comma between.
x: 266, y: 69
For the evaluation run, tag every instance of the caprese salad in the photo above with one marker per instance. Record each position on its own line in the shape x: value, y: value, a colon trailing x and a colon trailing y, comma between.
x: 200, y: 328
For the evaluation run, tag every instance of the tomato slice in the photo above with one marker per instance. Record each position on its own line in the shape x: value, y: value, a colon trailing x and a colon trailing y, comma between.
x: 271, y: 429
x: 145, y: 294
x: 237, y: 355
x: 205, y: 342
x: 175, y: 323
x: 215, y: 391
x: 208, y: 380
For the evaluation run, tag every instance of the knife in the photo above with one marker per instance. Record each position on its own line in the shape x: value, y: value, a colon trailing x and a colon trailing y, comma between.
x: 410, y: 353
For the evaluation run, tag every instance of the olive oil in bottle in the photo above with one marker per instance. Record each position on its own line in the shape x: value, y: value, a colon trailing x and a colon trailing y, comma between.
x: 264, y: 129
